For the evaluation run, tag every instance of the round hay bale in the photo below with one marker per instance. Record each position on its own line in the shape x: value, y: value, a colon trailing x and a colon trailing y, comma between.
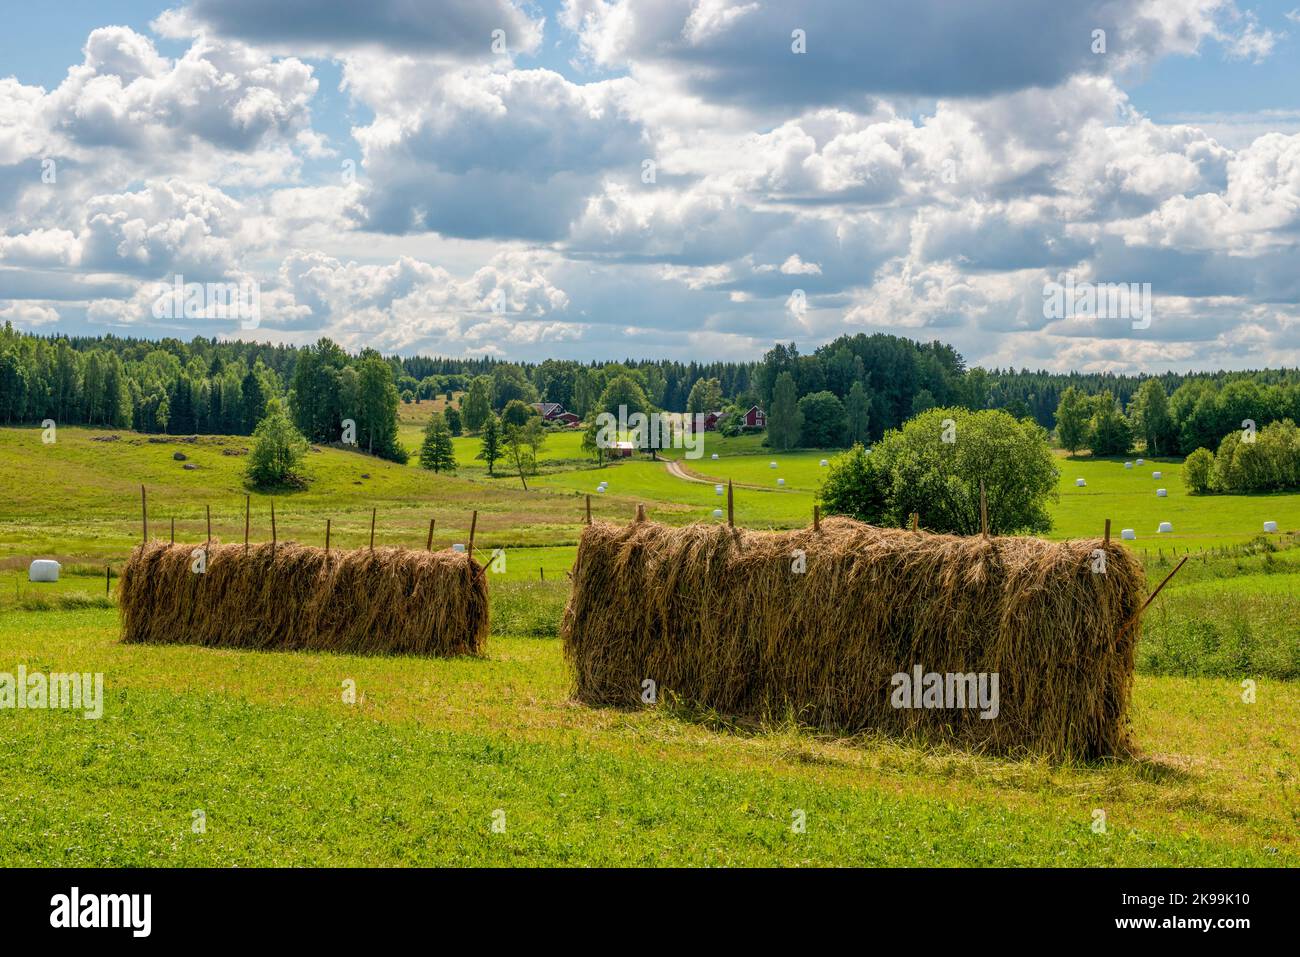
x: 1080, y: 482
x: 1162, y: 493
x: 1165, y: 527
x: 1270, y: 526
x: 1141, y: 461
x: 717, y: 490
x: 780, y: 482
x: 715, y: 456
x: 824, y: 463
x: 43, y: 570
x: 771, y: 465
x: 458, y: 547
x: 1128, y: 534
x: 1156, y: 475
x: 1128, y: 465
x: 717, y: 513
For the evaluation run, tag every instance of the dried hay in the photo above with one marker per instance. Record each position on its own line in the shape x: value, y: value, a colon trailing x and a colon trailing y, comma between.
x: 295, y: 597
x: 718, y: 620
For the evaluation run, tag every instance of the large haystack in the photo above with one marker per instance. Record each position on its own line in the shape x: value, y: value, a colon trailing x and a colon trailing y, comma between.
x: 717, y: 618
x: 288, y: 596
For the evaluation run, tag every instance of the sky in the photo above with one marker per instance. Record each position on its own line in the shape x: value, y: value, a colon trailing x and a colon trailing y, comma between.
x: 691, y: 179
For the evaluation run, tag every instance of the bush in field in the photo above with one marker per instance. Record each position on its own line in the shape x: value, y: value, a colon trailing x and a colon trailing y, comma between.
x: 1269, y: 463
x: 1196, y: 471
x: 824, y: 422
x: 437, y: 452
x: 933, y: 466
x: 278, y: 451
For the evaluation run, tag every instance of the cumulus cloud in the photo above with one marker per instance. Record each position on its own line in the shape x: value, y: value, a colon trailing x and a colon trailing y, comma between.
x: 459, y: 28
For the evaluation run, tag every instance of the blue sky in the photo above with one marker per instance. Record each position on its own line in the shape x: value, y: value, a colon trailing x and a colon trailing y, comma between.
x: 661, y: 178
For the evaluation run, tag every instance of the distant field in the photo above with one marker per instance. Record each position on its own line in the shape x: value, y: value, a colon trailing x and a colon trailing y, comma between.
x: 80, y: 497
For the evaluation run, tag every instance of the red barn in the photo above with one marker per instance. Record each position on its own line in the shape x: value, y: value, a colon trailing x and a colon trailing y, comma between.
x: 567, y: 418
x: 755, y: 418
x: 711, y: 421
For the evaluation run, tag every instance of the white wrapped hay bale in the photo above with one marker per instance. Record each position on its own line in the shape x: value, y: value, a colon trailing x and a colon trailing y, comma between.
x: 780, y: 482
x: 1165, y: 527
x: 715, y: 456
x: 717, y: 513
x: 717, y: 490
x: 1270, y: 526
x: 1128, y: 534
x: 771, y: 465
x: 1080, y: 482
x: 1162, y: 493
x: 824, y: 463
x: 1141, y: 461
x: 1156, y: 475
x: 43, y: 570
x: 1128, y: 465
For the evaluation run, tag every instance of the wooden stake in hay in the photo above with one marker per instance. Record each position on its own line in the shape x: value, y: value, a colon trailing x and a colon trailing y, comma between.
x: 720, y: 619
x: 287, y: 596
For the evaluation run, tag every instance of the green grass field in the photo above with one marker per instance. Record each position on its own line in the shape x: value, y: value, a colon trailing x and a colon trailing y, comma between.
x: 286, y: 773
x: 412, y: 773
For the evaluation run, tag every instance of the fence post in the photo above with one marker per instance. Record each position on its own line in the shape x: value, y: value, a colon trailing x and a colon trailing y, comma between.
x: 144, y: 516
x: 428, y: 545
x: 731, y: 512
x: 372, y: 528
x: 473, y: 526
x: 108, y: 578
x: 817, y: 518
x: 1106, y: 542
x: 327, y: 537
x: 209, y: 510
x: 247, y: 499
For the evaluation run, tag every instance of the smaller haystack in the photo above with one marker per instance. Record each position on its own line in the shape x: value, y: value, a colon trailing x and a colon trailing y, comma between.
x: 287, y: 597
x: 817, y: 624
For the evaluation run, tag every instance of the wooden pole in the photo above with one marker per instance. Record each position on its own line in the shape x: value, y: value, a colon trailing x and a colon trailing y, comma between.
x: 428, y: 544
x: 144, y: 515
x: 473, y: 526
x: 328, y: 522
x: 372, y: 528
x: 731, y: 511
x: 916, y: 521
x: 1106, y: 541
x: 588, y: 509
x: 817, y: 518
x: 640, y: 512
x: 108, y: 578
x: 246, y: 510
x: 1150, y: 598
x: 541, y: 572
x: 984, y: 511
x: 173, y: 529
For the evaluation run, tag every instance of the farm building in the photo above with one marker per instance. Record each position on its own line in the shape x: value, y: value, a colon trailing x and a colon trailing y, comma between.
x: 622, y: 450
x: 711, y: 421
x: 554, y: 412
x: 755, y: 418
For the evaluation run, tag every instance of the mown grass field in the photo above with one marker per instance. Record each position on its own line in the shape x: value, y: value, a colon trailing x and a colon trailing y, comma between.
x: 287, y: 773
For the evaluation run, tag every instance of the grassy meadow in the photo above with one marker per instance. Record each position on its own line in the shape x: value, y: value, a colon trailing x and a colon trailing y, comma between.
x: 416, y: 771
